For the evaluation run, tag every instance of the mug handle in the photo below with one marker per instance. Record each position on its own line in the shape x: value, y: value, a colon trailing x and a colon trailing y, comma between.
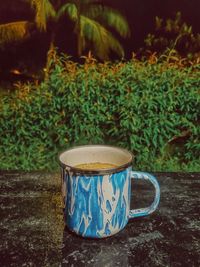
x: 146, y: 211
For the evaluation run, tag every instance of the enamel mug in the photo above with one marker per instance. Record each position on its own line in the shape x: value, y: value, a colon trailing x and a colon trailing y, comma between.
x: 97, y: 202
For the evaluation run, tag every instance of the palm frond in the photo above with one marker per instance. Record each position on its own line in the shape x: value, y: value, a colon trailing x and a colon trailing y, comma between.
x: 92, y: 9
x: 14, y: 31
x: 84, y: 2
x: 44, y: 10
x: 102, y: 39
x: 109, y: 17
x: 70, y: 9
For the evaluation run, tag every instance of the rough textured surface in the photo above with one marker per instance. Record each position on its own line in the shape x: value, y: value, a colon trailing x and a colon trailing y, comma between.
x: 32, y: 231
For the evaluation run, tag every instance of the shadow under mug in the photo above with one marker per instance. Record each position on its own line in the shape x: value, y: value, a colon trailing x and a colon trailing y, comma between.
x: 97, y: 202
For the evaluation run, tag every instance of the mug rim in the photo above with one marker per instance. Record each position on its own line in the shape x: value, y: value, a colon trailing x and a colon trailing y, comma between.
x: 95, y: 171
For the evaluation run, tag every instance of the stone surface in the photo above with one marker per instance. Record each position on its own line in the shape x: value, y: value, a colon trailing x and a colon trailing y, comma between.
x: 32, y: 231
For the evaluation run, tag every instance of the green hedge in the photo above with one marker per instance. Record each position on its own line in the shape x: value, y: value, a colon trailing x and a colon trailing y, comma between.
x: 151, y: 109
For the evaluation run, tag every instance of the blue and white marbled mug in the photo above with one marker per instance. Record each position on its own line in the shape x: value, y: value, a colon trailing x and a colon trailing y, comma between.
x: 97, y: 202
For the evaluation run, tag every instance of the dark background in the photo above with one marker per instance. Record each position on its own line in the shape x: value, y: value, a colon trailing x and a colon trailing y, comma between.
x: 139, y: 13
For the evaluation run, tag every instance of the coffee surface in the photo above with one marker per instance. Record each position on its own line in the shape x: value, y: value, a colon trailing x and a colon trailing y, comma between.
x: 95, y: 165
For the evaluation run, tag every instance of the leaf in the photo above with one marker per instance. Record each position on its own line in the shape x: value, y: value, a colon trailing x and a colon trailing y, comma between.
x: 101, y: 38
x: 115, y: 20
x: 69, y: 9
x: 14, y: 31
x: 108, y: 17
x: 44, y: 10
x: 111, y: 103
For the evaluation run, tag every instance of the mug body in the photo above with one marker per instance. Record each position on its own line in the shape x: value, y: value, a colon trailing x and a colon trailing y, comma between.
x: 97, y: 202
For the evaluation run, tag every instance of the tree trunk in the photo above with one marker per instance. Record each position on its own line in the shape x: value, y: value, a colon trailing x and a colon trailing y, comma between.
x: 78, y: 31
x: 49, y: 56
x: 79, y: 44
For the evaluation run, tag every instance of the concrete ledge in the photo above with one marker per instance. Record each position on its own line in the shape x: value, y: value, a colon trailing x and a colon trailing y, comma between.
x: 32, y: 230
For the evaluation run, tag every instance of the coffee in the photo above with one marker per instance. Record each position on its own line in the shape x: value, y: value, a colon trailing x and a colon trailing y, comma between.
x: 95, y: 165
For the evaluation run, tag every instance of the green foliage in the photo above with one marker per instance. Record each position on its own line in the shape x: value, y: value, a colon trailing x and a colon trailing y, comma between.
x: 151, y: 109
x: 19, y: 30
x: 92, y: 23
x: 69, y: 9
x: 92, y: 19
x: 174, y: 34
x: 14, y: 31
x: 43, y: 11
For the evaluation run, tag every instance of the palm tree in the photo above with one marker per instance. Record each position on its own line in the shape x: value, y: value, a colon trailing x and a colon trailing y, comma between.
x: 91, y: 20
x: 19, y: 30
x: 14, y: 31
x: 43, y: 11
x: 92, y: 23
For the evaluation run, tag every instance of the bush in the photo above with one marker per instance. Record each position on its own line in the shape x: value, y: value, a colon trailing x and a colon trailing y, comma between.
x: 151, y: 109
x: 173, y: 34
